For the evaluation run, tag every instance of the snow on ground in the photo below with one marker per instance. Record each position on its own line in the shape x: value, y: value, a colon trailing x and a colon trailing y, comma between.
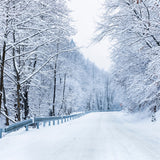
x: 96, y: 136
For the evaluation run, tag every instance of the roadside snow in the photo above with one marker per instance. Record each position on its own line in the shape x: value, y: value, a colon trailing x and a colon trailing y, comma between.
x: 96, y: 136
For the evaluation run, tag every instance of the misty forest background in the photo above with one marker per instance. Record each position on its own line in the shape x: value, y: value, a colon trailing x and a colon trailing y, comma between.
x: 43, y: 73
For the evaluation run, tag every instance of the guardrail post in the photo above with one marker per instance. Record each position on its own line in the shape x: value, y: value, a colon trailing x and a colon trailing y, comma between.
x: 53, y: 122
x: 44, y: 124
x: 1, y: 132
x: 49, y: 123
x: 37, y: 125
x: 62, y: 120
x: 26, y: 128
x: 58, y: 121
x: 70, y: 118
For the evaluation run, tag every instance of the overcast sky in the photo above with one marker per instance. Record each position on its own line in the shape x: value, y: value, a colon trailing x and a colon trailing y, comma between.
x: 85, y: 15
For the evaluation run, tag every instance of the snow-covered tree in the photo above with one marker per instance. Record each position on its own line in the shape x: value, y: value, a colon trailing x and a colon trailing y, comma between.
x: 134, y: 27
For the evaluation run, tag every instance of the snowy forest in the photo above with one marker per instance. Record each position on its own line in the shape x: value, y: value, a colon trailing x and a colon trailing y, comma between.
x: 133, y: 26
x: 42, y: 71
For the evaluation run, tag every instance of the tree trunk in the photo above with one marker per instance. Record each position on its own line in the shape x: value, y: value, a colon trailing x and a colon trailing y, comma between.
x: 3, y: 58
x: 26, y: 106
x: 63, y: 99
x: 18, y: 101
x: 18, y: 82
x: 107, y: 94
x: 2, y: 72
x: 5, y: 107
x: 55, y: 82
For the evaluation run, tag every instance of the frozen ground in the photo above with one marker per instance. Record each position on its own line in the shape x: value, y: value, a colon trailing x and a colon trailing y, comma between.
x: 96, y: 136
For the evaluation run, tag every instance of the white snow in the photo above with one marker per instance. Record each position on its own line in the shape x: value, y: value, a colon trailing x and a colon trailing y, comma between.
x: 96, y: 136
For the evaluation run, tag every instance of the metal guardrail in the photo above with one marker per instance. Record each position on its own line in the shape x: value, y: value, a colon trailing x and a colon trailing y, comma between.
x: 37, y: 121
x: 43, y: 120
x: 18, y: 125
x: 61, y: 119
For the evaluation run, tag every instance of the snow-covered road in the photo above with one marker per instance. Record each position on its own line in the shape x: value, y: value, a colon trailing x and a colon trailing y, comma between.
x: 96, y: 136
